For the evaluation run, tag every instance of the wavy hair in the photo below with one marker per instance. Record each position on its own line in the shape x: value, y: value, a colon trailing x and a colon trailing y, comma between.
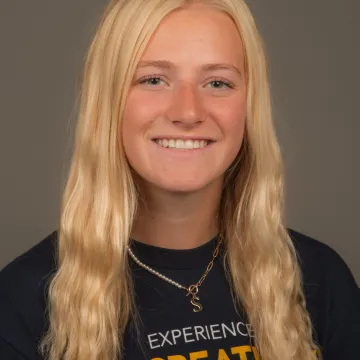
x: 91, y: 296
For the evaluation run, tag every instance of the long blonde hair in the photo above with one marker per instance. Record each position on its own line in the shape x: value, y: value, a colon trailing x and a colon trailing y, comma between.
x: 91, y: 296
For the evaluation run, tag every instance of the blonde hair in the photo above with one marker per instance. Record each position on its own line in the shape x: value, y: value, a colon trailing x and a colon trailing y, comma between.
x: 91, y: 296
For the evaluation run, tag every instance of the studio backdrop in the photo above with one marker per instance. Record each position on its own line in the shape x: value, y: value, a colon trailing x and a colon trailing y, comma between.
x: 314, y: 56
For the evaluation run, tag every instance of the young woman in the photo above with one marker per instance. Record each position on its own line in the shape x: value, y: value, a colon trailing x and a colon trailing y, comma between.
x: 172, y: 243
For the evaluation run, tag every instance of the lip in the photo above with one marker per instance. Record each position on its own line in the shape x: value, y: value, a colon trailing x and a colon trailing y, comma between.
x: 183, y: 137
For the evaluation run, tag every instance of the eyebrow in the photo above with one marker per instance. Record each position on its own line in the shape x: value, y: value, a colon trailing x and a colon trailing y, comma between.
x: 167, y: 65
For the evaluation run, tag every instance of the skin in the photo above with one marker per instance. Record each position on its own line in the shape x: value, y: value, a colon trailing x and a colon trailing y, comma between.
x: 181, y: 189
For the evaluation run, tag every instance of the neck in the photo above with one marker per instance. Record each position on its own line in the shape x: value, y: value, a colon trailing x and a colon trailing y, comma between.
x: 177, y: 220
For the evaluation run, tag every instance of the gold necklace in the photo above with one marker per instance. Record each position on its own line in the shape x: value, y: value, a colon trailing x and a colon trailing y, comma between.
x: 191, y: 290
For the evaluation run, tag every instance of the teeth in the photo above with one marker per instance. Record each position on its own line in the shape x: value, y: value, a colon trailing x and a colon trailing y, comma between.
x: 181, y: 144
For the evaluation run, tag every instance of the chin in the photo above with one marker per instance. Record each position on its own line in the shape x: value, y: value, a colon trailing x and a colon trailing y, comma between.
x: 183, y: 185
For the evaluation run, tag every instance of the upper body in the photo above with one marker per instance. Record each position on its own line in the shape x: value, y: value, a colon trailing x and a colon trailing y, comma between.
x: 175, y: 145
x: 170, y: 327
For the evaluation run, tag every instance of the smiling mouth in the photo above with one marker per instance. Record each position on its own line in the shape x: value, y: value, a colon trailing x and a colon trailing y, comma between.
x: 183, y: 144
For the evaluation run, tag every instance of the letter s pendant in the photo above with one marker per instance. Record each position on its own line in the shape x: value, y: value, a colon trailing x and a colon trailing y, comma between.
x: 197, y: 306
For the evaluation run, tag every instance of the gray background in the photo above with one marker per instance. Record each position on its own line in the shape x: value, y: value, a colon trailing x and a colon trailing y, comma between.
x: 314, y: 54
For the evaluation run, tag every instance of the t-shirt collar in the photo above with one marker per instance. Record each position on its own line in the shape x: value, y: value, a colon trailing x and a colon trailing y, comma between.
x: 174, y: 259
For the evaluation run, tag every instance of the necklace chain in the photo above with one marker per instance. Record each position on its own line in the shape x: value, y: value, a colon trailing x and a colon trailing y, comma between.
x: 192, y: 289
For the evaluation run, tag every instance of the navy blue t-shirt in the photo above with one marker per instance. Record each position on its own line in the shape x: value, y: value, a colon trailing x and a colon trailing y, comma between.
x: 170, y: 329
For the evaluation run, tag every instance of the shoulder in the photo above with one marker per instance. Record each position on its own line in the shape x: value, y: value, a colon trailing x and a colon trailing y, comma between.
x: 332, y: 297
x: 30, y: 266
x: 23, y: 295
x: 323, y: 268
x: 319, y: 260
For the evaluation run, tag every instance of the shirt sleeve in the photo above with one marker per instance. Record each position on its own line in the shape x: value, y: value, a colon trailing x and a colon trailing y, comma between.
x: 7, y: 352
x: 21, y: 315
x: 342, y: 294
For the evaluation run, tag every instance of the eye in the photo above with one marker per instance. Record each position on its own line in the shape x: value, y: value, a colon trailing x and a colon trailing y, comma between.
x: 221, y: 84
x: 151, y: 80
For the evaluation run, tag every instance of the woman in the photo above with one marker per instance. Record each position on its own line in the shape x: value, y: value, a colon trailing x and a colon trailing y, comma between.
x: 172, y: 242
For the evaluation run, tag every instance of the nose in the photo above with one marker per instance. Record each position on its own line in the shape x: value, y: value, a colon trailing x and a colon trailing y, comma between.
x: 186, y: 107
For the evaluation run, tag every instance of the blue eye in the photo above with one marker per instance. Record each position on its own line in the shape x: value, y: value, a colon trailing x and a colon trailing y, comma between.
x: 220, y: 84
x: 156, y: 81
x: 151, y: 80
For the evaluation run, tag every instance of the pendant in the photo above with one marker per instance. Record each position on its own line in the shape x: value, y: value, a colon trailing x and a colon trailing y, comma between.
x: 193, y: 290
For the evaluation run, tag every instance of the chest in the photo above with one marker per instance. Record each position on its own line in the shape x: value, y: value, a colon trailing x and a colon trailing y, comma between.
x: 170, y: 329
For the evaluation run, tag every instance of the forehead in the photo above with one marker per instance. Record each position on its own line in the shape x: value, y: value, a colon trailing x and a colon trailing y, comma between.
x: 195, y: 33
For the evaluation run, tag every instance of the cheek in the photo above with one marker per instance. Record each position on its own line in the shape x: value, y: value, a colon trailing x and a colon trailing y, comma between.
x: 235, y: 136
x: 144, y: 106
x: 136, y: 114
x: 139, y: 114
x: 141, y: 110
x: 231, y: 120
x: 131, y: 123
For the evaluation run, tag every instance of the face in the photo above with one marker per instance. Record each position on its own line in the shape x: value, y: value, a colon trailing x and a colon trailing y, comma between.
x: 184, y: 118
